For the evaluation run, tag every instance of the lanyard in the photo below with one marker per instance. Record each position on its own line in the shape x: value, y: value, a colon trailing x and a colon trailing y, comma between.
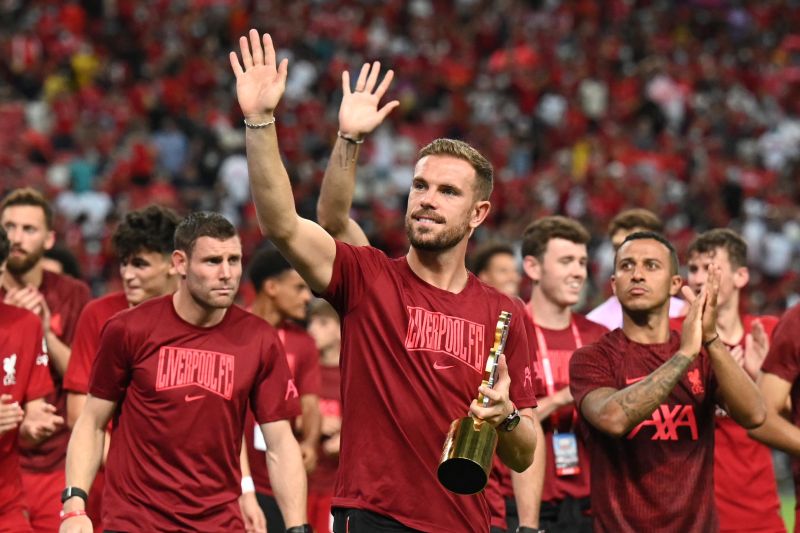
x: 544, y: 355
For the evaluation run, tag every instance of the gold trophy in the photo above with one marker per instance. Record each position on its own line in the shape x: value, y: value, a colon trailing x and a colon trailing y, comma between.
x: 467, y: 455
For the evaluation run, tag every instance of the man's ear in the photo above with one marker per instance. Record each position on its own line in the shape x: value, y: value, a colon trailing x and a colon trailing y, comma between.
x: 675, y: 284
x: 532, y: 268
x: 180, y: 262
x: 741, y: 277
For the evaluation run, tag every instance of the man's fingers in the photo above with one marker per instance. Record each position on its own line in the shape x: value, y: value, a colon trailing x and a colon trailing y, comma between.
x: 688, y: 295
x: 346, y: 82
x: 235, y: 66
x: 361, y: 82
x: 244, y: 48
x: 384, y: 86
x: 373, y: 76
x: 283, y: 70
x: 270, y: 58
x: 258, y: 52
x: 388, y: 108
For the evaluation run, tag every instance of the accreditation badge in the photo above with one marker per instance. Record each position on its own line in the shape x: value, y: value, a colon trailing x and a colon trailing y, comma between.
x: 565, y: 450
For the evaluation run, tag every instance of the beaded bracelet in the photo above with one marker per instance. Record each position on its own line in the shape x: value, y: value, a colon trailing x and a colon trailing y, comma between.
x: 349, y: 139
x: 259, y: 126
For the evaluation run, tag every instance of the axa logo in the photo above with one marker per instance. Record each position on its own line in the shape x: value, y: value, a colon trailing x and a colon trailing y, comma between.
x: 10, y: 370
x: 666, y: 422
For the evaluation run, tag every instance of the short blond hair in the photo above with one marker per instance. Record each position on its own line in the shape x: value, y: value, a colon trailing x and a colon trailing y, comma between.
x: 459, y: 149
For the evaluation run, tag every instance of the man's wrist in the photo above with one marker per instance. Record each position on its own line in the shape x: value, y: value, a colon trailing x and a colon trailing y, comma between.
x: 257, y: 118
x: 74, y: 504
x: 709, y: 342
x: 527, y: 529
x: 305, y: 528
x: 351, y: 137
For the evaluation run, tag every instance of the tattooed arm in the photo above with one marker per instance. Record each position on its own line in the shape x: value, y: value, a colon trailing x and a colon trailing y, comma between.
x: 616, y: 412
x: 358, y: 115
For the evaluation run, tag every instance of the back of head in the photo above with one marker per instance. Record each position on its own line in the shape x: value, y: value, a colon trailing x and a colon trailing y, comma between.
x: 541, y: 231
x: 67, y: 260
x: 482, y: 257
x: 28, y: 196
x: 459, y: 149
x: 5, y: 246
x: 640, y: 235
x: 202, y: 224
x: 637, y: 218
x: 151, y: 229
x: 266, y: 264
x: 710, y: 241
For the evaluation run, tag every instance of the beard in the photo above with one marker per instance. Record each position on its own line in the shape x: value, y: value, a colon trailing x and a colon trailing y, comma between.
x: 427, y: 241
x: 19, y: 266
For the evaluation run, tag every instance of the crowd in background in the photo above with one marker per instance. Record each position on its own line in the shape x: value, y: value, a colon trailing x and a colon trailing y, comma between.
x: 688, y: 108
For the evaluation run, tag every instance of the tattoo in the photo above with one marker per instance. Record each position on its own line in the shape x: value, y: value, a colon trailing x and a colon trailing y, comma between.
x: 640, y: 400
x: 347, y: 154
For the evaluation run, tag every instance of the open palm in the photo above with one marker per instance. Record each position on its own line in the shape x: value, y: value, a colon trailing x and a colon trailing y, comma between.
x: 260, y: 81
x: 359, y: 113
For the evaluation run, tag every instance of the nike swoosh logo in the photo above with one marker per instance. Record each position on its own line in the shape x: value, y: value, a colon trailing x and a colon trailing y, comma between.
x: 631, y: 381
x: 189, y: 398
x: 439, y: 366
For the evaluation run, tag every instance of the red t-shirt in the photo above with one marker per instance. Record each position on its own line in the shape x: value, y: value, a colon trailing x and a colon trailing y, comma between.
x: 783, y: 360
x: 66, y: 298
x: 659, y: 477
x: 87, y: 337
x: 303, y: 359
x: 183, y: 392
x: 561, y: 344
x: 25, y: 377
x: 412, y: 360
x: 752, y: 505
x: 322, y: 479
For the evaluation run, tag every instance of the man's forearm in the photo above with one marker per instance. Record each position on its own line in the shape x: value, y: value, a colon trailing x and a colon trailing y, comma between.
x: 84, y: 454
x: 338, y: 185
x: 738, y: 392
x: 287, y: 476
x: 270, y: 185
x: 312, y: 420
x: 777, y: 432
x: 516, y: 448
x: 549, y: 404
x: 528, y: 485
x: 638, y: 401
x: 58, y: 352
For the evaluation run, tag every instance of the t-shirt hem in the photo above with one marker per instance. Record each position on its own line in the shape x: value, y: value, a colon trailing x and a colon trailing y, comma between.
x: 75, y: 387
x: 41, y: 392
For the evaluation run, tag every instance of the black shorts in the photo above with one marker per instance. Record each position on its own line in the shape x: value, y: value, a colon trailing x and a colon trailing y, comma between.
x: 347, y: 520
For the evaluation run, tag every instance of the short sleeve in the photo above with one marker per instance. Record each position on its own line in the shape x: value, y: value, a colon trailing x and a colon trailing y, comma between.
x: 354, y: 270
x: 40, y: 383
x: 84, y: 348
x: 589, y: 369
x: 783, y: 359
x: 111, y: 370
x: 274, y: 395
x: 308, y: 376
x: 519, y: 357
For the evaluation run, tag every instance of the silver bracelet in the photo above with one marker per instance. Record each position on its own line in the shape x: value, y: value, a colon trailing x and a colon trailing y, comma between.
x: 259, y: 126
x: 349, y: 139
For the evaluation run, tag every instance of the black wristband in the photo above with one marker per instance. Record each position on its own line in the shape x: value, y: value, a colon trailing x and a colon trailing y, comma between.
x: 523, y: 529
x: 71, y: 492
x: 706, y: 344
x: 305, y: 528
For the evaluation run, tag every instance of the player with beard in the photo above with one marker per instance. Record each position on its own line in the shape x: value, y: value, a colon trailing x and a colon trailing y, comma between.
x: 143, y: 242
x: 178, y: 372
x: 416, y: 330
x: 58, y: 300
x: 24, y: 414
x: 555, y: 259
x: 648, y: 396
x: 281, y: 299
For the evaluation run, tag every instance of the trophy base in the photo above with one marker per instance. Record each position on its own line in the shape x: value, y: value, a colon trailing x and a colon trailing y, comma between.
x: 467, y: 457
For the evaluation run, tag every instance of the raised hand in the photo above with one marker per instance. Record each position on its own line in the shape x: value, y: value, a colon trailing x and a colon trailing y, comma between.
x: 359, y: 113
x: 692, y: 332
x: 710, y: 307
x: 756, y: 346
x: 260, y: 81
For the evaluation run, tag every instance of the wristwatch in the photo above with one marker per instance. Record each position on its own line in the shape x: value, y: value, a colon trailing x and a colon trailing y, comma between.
x: 511, y: 421
x: 71, y: 492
